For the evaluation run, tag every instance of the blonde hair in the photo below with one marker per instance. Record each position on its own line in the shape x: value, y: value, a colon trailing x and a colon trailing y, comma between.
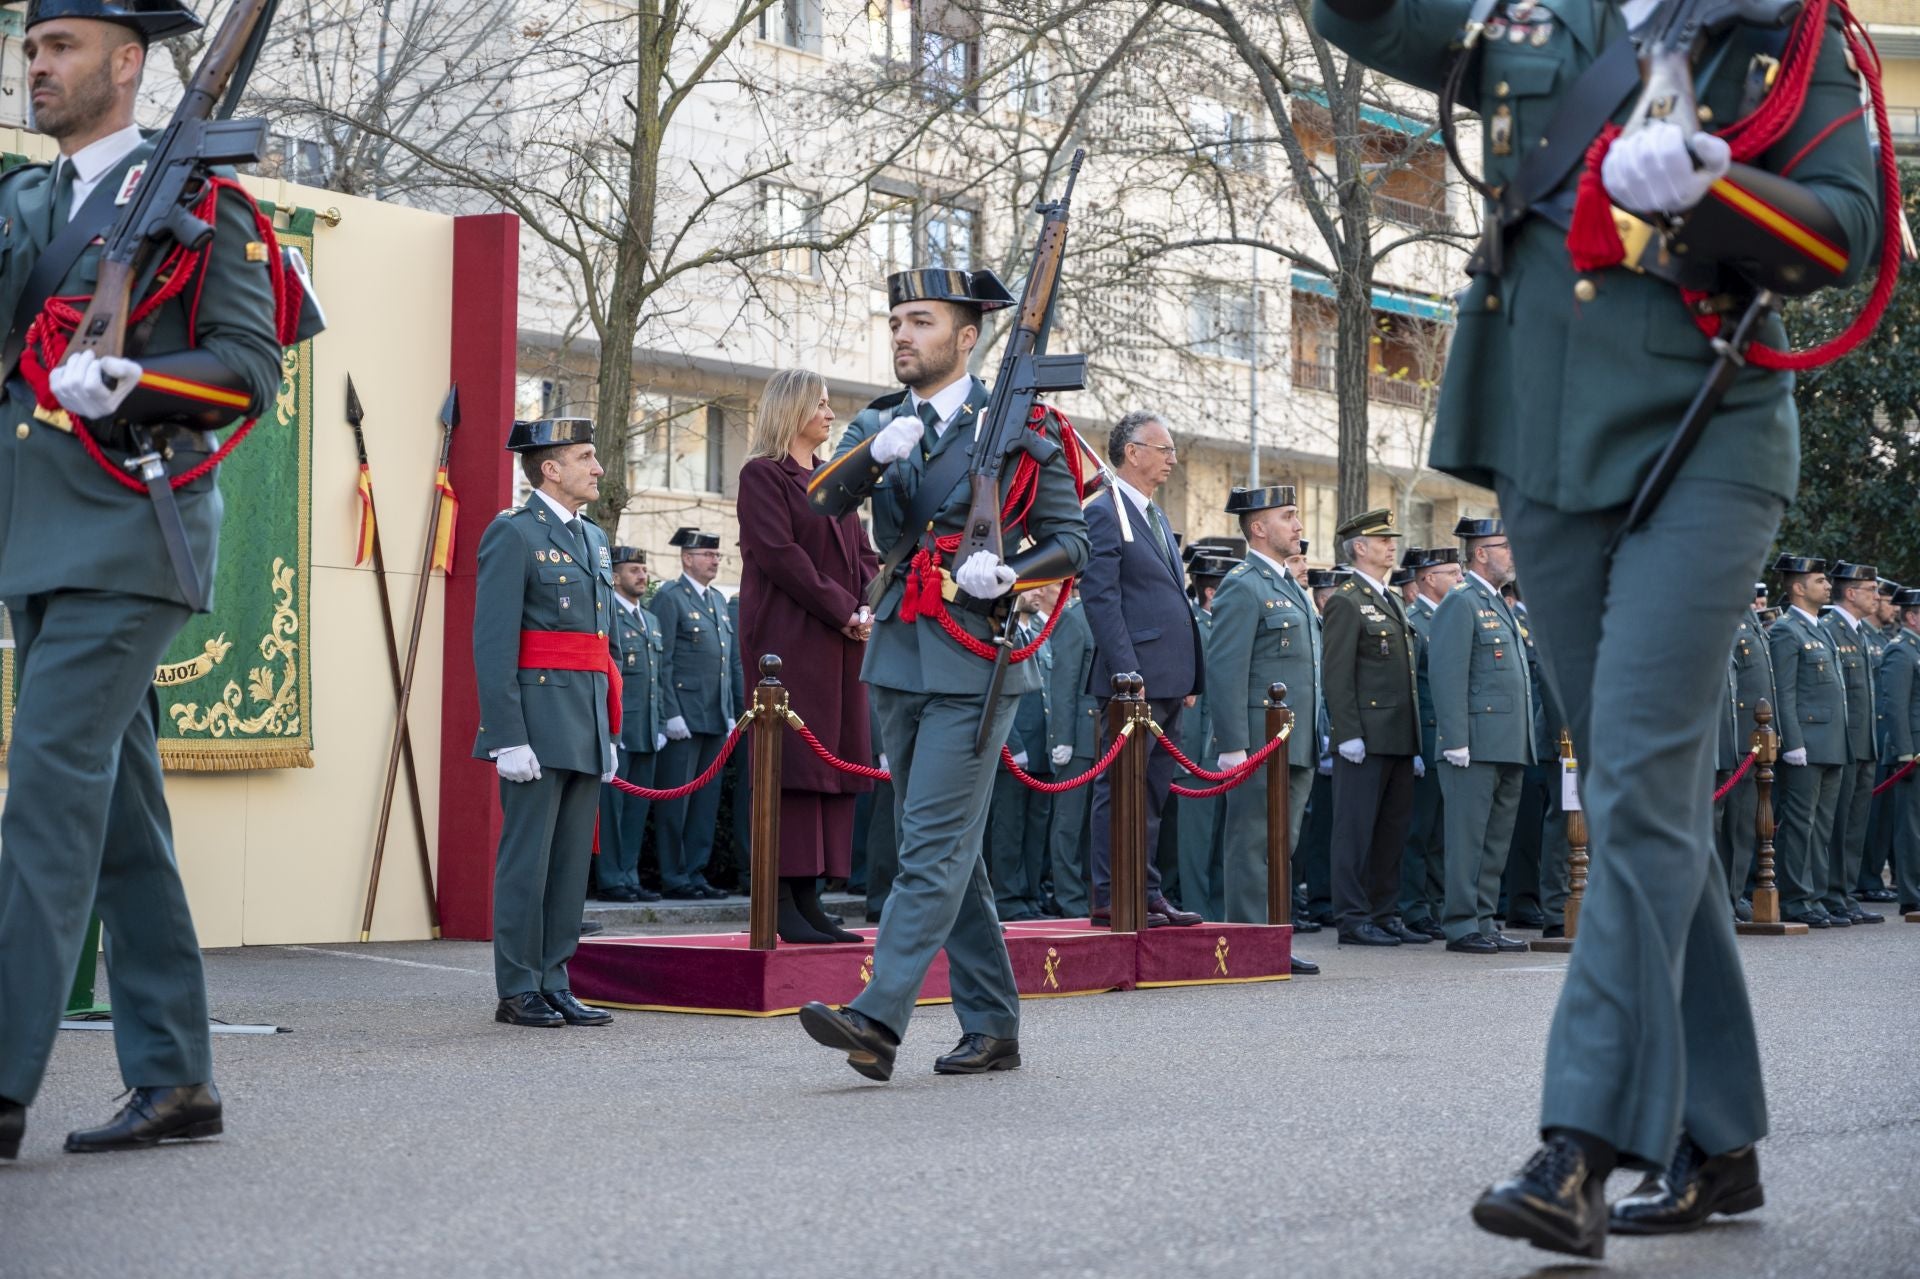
x: 790, y: 398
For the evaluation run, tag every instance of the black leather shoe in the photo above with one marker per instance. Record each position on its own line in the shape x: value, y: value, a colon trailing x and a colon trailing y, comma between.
x: 1838, y: 920
x: 617, y: 895
x: 1867, y: 917
x: 1050, y: 907
x: 1692, y: 1189
x: 1175, y: 916
x: 1104, y: 919
x: 1743, y: 911
x: 591, y: 927
x: 1553, y: 1203
x: 527, y: 1009
x: 151, y: 1116
x: 1410, y: 936
x: 1552, y: 931
x: 1367, y: 934
x: 644, y: 894
x: 1529, y: 920
x: 869, y: 1046
x: 687, y: 894
x: 13, y: 1127
x: 710, y: 893
x: 573, y: 1011
x: 976, y: 1054
x: 1473, y: 944
x: 1502, y: 942
x: 1908, y: 908
x: 1304, y: 926
x: 1808, y: 918
x: 1304, y: 967
x: 1877, y: 895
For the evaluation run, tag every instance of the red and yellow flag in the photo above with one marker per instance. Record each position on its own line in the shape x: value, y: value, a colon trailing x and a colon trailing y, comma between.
x: 364, y: 548
x: 443, y: 524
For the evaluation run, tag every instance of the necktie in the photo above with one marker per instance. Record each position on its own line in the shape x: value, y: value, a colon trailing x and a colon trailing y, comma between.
x: 580, y: 539
x: 62, y: 203
x: 1158, y: 523
x: 929, y: 415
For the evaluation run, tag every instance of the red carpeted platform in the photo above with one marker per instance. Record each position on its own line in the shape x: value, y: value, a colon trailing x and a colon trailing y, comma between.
x: 716, y: 972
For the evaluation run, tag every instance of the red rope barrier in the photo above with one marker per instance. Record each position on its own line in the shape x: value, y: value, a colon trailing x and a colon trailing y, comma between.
x: 1072, y: 783
x: 1905, y: 768
x: 681, y: 792
x: 828, y: 757
x: 1234, y: 775
x: 1738, y: 773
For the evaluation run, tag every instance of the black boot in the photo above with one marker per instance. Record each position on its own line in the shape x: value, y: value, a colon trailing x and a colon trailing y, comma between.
x: 153, y: 1115
x: 1693, y: 1188
x: 792, y: 925
x: 806, y: 896
x: 1558, y: 1201
x: 13, y: 1126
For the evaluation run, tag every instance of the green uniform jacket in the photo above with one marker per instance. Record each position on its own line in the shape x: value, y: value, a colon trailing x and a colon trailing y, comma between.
x: 1072, y: 645
x: 1368, y: 669
x: 1196, y: 726
x: 1749, y: 678
x: 1857, y: 675
x: 639, y: 648
x: 1420, y: 618
x: 919, y: 656
x: 1533, y: 391
x: 1482, y: 690
x: 697, y: 678
x: 1264, y: 631
x: 64, y: 523
x: 530, y: 579
x: 1900, y: 697
x: 1812, y: 710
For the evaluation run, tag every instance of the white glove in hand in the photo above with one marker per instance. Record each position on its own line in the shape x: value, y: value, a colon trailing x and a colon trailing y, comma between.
x: 677, y: 729
x: 517, y: 764
x: 1020, y: 760
x: 613, y: 753
x: 1798, y: 758
x: 883, y: 765
x: 659, y: 741
x: 1458, y: 758
x: 897, y: 438
x: 1659, y: 169
x: 984, y: 577
x: 1061, y: 754
x: 1419, y: 767
x: 1231, y: 760
x: 80, y: 384
x: 1326, y: 766
x: 1354, y: 751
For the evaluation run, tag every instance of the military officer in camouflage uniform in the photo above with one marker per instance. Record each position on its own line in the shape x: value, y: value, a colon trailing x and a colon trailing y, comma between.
x: 543, y: 604
x: 1749, y: 680
x: 1811, y: 717
x: 93, y: 597
x: 1856, y: 589
x: 1562, y: 389
x: 637, y: 649
x: 1900, y: 741
x: 1422, y: 871
x: 1483, y: 699
x: 929, y: 691
x: 698, y: 694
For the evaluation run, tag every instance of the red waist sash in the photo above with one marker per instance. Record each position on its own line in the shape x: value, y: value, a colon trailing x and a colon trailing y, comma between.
x: 572, y: 651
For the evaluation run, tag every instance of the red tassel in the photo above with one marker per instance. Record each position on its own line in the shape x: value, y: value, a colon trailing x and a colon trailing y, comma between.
x: 1592, y: 239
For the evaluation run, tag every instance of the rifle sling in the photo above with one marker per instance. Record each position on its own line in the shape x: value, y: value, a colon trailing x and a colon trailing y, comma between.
x: 935, y: 483
x: 95, y: 218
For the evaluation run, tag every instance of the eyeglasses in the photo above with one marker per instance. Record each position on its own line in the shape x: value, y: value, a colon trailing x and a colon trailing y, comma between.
x: 1168, y: 449
x: 1495, y: 546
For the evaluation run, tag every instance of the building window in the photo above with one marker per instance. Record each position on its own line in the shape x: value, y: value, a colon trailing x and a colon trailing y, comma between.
x: 1419, y: 522
x: 1406, y: 355
x: 794, y: 23
x: 1220, y: 321
x: 1030, y: 85
x: 890, y: 236
x: 788, y: 217
x: 1321, y: 515
x: 889, y: 30
x: 300, y: 160
x: 679, y: 443
x: 1223, y: 135
x: 948, y: 236
x: 946, y: 50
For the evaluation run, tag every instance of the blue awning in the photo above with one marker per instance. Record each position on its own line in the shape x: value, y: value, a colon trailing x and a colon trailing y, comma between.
x: 1393, y: 301
x: 1375, y: 116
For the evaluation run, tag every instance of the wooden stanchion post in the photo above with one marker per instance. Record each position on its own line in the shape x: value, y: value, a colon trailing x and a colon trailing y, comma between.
x: 1765, y: 744
x: 1279, y: 802
x: 1577, y: 860
x: 769, y: 725
x: 1127, y: 795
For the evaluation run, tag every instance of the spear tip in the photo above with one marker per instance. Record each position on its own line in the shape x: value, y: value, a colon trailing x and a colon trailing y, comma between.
x: 355, y: 413
x: 450, y: 411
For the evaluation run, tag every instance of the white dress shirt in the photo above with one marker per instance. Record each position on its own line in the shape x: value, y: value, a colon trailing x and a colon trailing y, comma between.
x: 95, y: 160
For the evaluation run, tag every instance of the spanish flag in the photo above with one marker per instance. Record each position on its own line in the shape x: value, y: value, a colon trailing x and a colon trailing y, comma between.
x: 443, y: 524
x: 365, y: 547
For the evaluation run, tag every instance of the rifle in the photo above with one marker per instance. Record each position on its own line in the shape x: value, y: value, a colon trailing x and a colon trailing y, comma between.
x: 1026, y: 373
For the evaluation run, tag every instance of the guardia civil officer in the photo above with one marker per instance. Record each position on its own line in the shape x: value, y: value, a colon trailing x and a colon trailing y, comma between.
x: 637, y: 650
x: 1856, y: 590
x: 1562, y: 388
x: 1404, y: 577
x: 699, y: 693
x: 1373, y: 705
x: 94, y: 596
x: 928, y: 690
x: 1749, y: 680
x: 1018, y: 817
x: 1811, y: 716
x: 1198, y: 821
x: 1072, y: 645
x: 1422, y: 868
x: 1900, y: 738
x: 550, y: 713
x: 1483, y: 701
x: 1870, y: 884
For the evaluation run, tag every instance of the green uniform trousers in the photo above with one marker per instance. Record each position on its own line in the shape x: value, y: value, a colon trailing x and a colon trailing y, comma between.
x: 540, y: 878
x: 1200, y: 824
x: 684, y: 828
x: 623, y: 822
x: 1881, y: 820
x: 1482, y: 801
x: 1522, y: 883
x: 883, y: 856
x: 86, y: 829
x: 1848, y: 845
x: 1244, y: 843
x: 1556, y: 876
x: 1906, y: 846
x: 1808, y: 797
x: 1067, y: 842
x: 941, y: 896
x: 1736, y: 837
x: 1422, y: 884
x: 1653, y: 1032
x: 1313, y: 857
x: 1016, y: 846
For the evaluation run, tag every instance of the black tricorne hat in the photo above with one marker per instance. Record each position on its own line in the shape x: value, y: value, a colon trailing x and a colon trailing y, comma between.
x: 1411, y: 557
x: 1907, y: 597
x: 1245, y: 501
x: 628, y: 555
x: 1469, y: 529
x: 1321, y: 578
x: 1210, y: 568
x: 152, y: 19
x: 1842, y: 571
x: 1233, y: 548
x: 692, y: 539
x: 1303, y: 547
x: 1400, y: 577
x: 980, y: 288
x: 1890, y: 589
x: 1438, y: 555
x: 549, y: 432
x: 1790, y: 565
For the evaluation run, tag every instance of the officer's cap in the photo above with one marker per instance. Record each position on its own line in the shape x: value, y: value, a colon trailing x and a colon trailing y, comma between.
x: 1845, y: 572
x: 1244, y: 501
x: 1439, y: 555
x: 1768, y: 616
x: 628, y: 555
x: 1321, y: 578
x: 152, y: 19
x: 1400, y: 577
x: 1412, y: 556
x: 1210, y: 568
x: 980, y: 288
x: 1233, y: 548
x: 1790, y: 565
x: 1907, y: 597
x: 1470, y: 529
x: 549, y: 432
x: 1889, y: 588
x: 692, y: 539
x: 1303, y: 547
x: 1375, y: 523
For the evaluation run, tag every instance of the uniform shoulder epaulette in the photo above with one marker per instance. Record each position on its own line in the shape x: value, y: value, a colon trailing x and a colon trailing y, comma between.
x: 891, y: 400
x: 1349, y: 586
x: 30, y: 167
x: 511, y: 510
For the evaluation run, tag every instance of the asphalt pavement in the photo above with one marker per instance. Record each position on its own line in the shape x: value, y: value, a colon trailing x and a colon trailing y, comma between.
x: 1328, y: 1127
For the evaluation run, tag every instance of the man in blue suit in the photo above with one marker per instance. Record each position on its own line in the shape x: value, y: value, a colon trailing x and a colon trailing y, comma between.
x: 1136, y: 603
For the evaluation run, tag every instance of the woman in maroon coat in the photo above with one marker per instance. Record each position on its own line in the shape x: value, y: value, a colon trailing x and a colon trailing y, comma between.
x: 802, y: 596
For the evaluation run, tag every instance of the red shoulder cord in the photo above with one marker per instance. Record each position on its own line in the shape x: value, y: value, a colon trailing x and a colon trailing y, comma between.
x: 1594, y: 244
x: 923, y: 596
x: 183, y: 268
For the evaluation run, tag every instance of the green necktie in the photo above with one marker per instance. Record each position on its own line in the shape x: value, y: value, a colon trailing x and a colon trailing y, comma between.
x: 1158, y: 524
x: 62, y: 205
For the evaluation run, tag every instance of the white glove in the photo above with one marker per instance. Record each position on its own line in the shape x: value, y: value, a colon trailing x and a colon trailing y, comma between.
x: 984, y: 577
x: 1326, y: 766
x: 865, y: 616
x: 1061, y: 754
x: 80, y: 384
x: 1354, y: 751
x: 883, y: 765
x: 1230, y: 760
x: 677, y: 729
x: 897, y: 438
x: 517, y: 764
x: 1020, y: 760
x: 1659, y: 169
x: 659, y: 741
x: 1798, y: 758
x: 1419, y: 767
x: 613, y: 753
x: 1458, y: 758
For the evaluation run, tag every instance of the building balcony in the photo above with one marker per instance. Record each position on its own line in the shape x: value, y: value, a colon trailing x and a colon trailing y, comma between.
x: 1316, y: 375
